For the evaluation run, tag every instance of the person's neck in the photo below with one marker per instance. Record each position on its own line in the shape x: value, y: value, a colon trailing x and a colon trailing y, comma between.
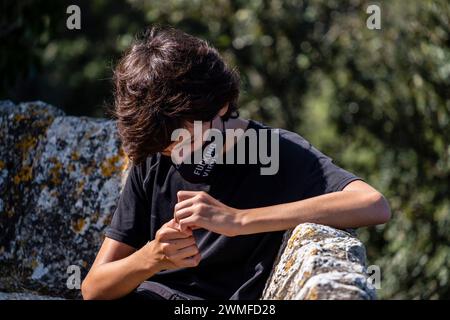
x: 237, y: 123
x: 232, y: 123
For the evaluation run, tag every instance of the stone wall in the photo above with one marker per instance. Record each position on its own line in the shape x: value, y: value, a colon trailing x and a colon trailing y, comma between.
x: 60, y: 178
x: 319, y: 262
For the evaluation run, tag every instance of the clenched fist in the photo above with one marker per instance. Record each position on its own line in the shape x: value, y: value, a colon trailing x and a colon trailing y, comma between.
x: 173, y: 248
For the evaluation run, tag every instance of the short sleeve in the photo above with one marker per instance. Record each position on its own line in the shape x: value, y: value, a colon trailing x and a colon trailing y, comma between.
x: 324, y: 176
x: 130, y: 222
x: 310, y: 171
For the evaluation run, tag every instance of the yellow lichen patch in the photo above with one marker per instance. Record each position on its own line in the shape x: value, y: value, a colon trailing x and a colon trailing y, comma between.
x: 2, y: 165
x: 107, y: 220
x: 87, y: 170
x: 288, y: 264
x: 55, y: 171
x: 126, y: 161
x: 26, y: 143
x: 306, y: 276
x: 34, y: 263
x: 75, y: 156
x: 80, y: 186
x: 312, y: 294
x: 314, y: 252
x: 309, y: 232
x: 42, y: 123
x: 78, y: 225
x: 19, y: 117
x: 95, y: 216
x: 110, y: 166
x: 292, y: 239
x: 25, y: 174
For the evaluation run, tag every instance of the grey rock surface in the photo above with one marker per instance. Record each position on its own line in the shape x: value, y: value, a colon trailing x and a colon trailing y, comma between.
x: 60, y: 179
x: 319, y: 262
x: 25, y: 296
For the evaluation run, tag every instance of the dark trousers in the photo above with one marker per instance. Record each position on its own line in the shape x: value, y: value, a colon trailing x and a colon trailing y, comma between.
x: 150, y: 290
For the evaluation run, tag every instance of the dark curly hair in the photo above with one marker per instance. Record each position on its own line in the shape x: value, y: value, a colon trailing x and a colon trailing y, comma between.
x: 166, y: 79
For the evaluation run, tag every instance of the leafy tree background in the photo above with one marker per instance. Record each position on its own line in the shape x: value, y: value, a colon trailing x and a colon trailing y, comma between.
x: 378, y: 101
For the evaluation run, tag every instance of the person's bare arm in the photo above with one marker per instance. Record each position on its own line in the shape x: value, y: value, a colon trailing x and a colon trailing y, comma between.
x: 119, y: 268
x: 358, y: 205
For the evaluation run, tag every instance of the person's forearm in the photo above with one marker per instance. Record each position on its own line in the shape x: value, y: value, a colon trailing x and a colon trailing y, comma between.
x: 345, y: 209
x: 115, y: 279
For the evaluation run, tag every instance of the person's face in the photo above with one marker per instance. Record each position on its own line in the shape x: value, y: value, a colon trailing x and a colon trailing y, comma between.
x: 193, y: 140
x: 196, y: 141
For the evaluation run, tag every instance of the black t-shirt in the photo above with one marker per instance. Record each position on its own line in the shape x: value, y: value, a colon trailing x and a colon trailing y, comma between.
x: 231, y: 267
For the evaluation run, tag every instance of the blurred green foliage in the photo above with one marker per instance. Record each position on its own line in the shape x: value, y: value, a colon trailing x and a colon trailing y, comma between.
x: 378, y: 101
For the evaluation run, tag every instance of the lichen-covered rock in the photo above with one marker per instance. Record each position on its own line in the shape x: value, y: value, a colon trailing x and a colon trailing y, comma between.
x: 21, y: 128
x: 25, y: 296
x: 60, y: 180
x: 319, y: 262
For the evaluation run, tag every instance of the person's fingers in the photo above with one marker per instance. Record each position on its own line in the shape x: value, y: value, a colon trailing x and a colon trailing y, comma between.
x: 172, y: 224
x: 184, y: 194
x: 179, y: 234
x: 192, y: 261
x: 182, y: 243
x: 190, y: 199
x: 191, y: 222
x: 184, y: 204
x: 187, y: 231
x: 168, y: 233
x: 183, y: 213
x: 184, y: 253
x: 185, y: 200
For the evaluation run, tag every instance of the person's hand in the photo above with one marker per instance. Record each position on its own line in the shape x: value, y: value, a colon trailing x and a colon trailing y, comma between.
x: 197, y: 209
x: 173, y: 248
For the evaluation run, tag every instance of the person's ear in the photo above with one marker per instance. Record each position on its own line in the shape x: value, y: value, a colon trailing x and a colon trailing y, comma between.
x: 223, y: 111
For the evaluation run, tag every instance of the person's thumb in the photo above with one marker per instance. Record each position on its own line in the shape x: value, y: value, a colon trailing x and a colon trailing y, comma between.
x: 174, y: 225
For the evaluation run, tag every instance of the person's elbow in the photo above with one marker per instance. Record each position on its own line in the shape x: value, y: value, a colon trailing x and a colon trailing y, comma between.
x: 380, y: 209
x: 88, y: 290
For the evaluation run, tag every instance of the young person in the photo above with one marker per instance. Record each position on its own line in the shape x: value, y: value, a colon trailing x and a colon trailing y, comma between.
x: 208, y: 230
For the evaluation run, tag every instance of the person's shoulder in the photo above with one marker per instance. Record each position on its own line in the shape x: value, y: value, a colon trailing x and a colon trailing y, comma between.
x: 288, y: 139
x: 143, y: 169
